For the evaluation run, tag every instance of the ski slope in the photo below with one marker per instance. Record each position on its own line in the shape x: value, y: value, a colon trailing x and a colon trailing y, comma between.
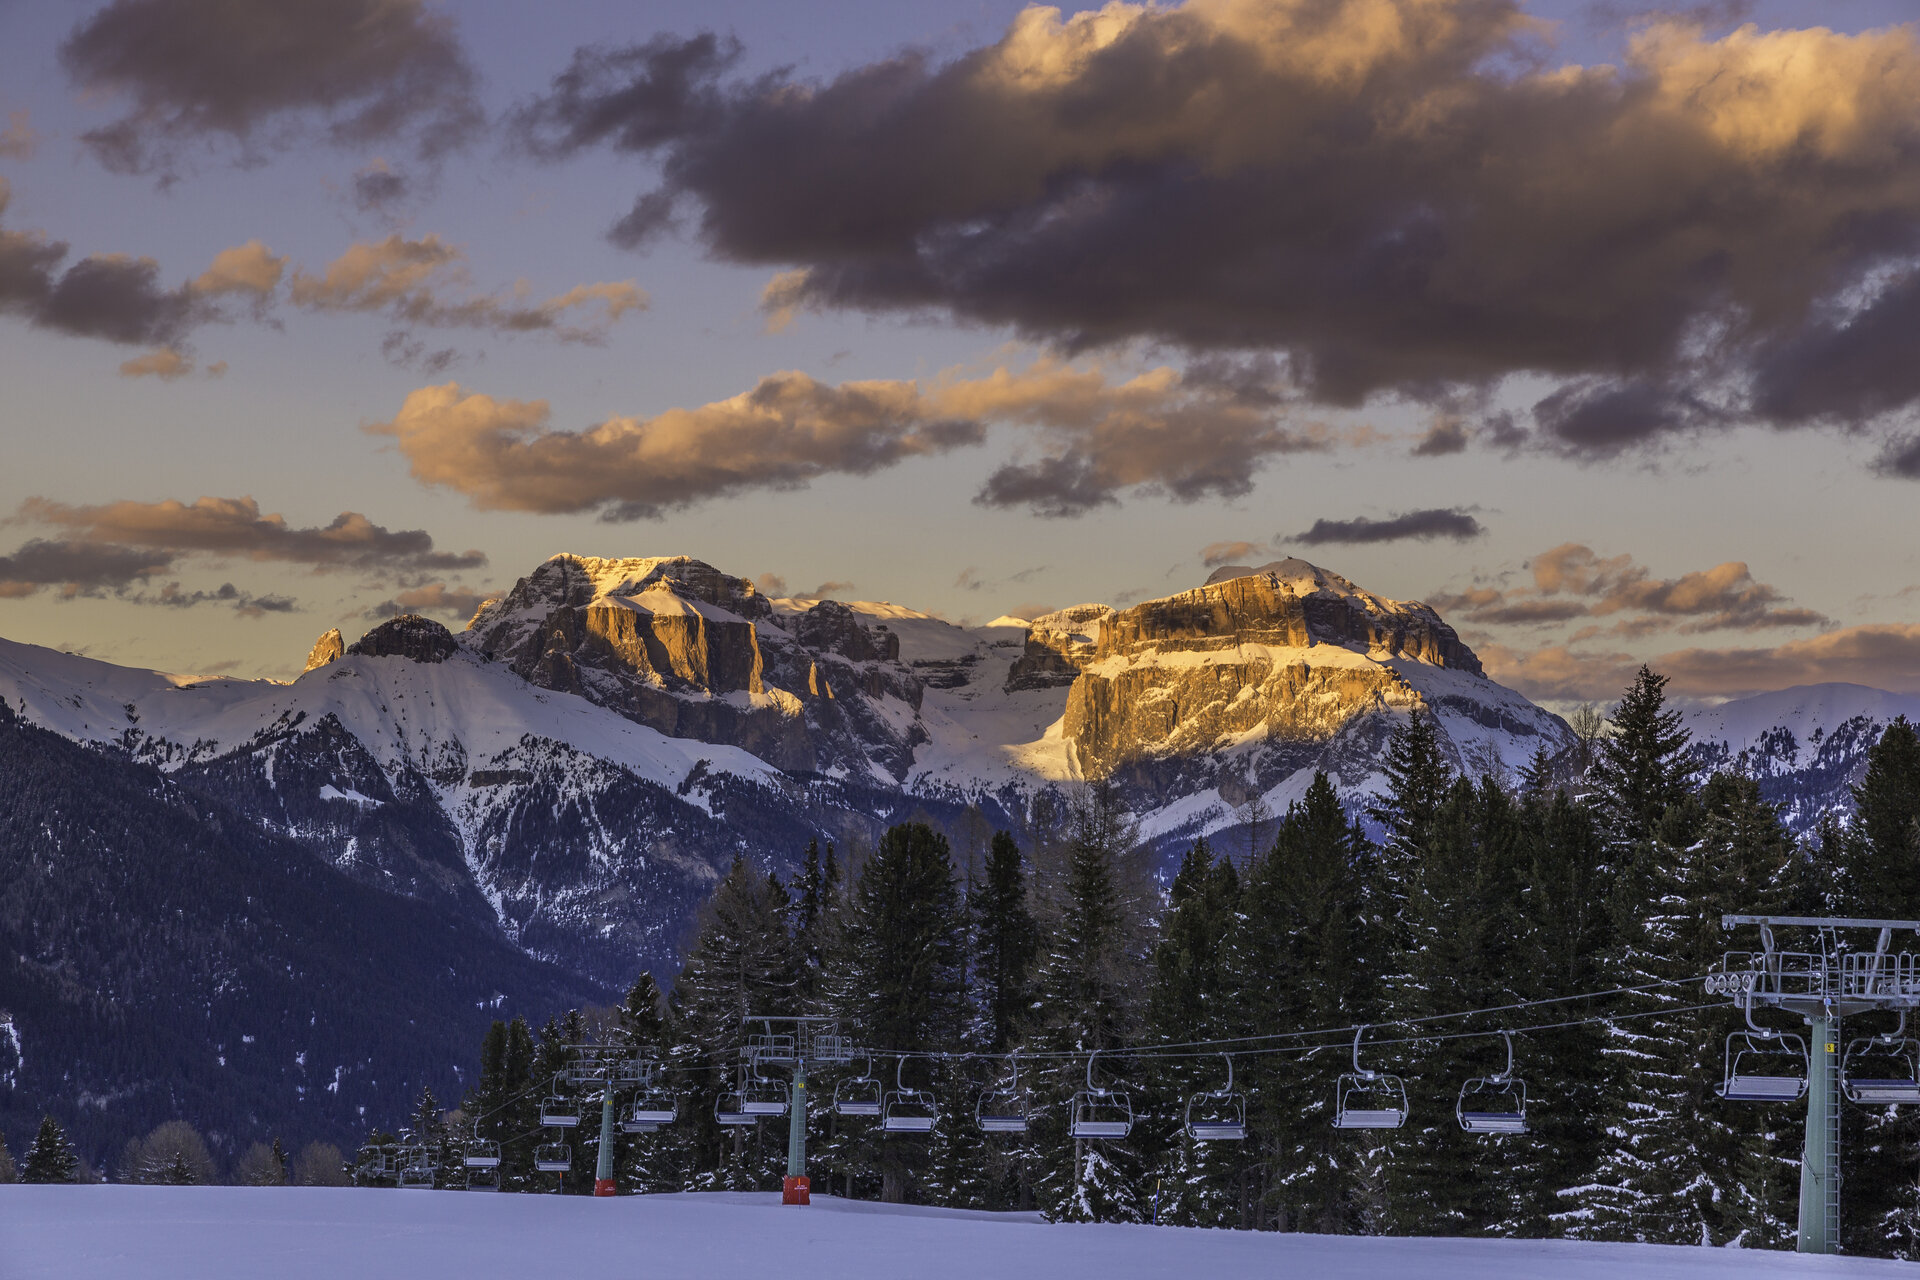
x: 243, y: 1233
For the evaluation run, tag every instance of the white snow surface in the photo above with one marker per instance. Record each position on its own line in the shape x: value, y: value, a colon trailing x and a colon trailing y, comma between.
x: 1804, y: 709
x: 402, y: 711
x: 300, y: 1233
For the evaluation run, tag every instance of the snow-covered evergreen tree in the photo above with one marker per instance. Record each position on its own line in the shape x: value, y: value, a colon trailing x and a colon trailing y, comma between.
x: 51, y: 1157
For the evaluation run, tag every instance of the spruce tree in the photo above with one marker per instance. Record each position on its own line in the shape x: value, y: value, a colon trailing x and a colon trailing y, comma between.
x: 1879, y: 874
x: 1088, y: 988
x: 657, y: 1161
x: 1005, y: 941
x: 1200, y: 1183
x: 51, y: 1157
x: 1304, y: 954
x: 742, y: 962
x: 903, y: 966
x: 1418, y: 777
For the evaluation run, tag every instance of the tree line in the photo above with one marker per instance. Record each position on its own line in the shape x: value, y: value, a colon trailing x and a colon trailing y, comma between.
x: 1472, y: 893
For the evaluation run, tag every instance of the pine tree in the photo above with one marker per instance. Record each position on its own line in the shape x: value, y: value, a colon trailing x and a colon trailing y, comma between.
x: 51, y: 1157
x: 1202, y: 1183
x: 1640, y: 1190
x: 1418, y: 777
x: 1303, y: 954
x: 657, y: 1161
x: 1005, y: 941
x: 1879, y: 874
x: 904, y: 964
x: 742, y: 962
x: 8, y: 1173
x: 1088, y: 986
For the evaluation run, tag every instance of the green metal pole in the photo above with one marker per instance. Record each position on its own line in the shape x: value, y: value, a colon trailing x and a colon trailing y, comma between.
x: 603, y: 1171
x: 796, y: 1189
x: 1820, y: 1159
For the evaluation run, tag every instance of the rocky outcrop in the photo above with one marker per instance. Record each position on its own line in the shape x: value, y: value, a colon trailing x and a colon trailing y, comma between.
x: 407, y: 636
x: 1058, y: 646
x: 326, y: 649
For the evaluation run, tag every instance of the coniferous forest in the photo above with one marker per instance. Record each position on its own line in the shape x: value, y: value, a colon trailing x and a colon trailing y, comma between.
x: 1480, y: 893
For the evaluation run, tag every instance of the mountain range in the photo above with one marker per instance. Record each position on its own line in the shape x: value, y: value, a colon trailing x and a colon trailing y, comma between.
x: 532, y: 808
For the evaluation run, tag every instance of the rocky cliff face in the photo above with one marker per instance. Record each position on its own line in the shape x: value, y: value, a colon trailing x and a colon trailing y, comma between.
x: 683, y: 648
x: 408, y: 636
x: 328, y: 647
x: 1264, y: 673
x: 1058, y: 646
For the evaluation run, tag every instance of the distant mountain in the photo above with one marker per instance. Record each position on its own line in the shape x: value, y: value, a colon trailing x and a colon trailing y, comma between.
x: 1807, y: 745
x: 537, y: 804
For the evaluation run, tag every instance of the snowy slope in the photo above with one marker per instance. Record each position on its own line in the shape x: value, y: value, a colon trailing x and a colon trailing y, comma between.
x: 1807, y: 745
x: 235, y: 1233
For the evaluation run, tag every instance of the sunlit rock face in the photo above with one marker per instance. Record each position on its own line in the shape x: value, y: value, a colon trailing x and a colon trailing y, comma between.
x: 1262, y: 673
x: 681, y: 647
x: 1058, y: 646
x: 327, y: 648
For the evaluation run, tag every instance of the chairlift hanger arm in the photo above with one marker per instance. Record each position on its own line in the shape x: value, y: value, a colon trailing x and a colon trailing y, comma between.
x: 1818, y: 922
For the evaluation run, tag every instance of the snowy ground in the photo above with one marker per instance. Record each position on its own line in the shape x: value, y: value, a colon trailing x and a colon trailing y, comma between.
x: 233, y: 1233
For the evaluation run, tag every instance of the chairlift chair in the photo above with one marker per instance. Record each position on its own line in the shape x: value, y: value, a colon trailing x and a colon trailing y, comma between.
x: 1368, y: 1099
x: 655, y: 1107
x: 1756, y: 1063
x: 730, y: 1108
x: 860, y: 1095
x: 1219, y: 1116
x: 483, y: 1179
x: 557, y: 1112
x: 1495, y: 1103
x: 1004, y: 1110
x: 1099, y: 1112
x: 553, y: 1157
x: 482, y: 1154
x: 907, y: 1110
x: 1884, y: 1089
x: 766, y: 1097
x: 416, y: 1167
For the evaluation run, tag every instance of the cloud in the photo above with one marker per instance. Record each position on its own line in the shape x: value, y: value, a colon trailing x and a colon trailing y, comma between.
x: 78, y: 568
x: 424, y: 282
x: 1424, y: 525
x: 1882, y: 655
x: 969, y: 579
x: 165, y: 364
x: 1900, y: 458
x: 378, y: 187
x: 1403, y: 196
x: 236, y: 527
x: 347, y: 71
x: 781, y: 298
x: 244, y: 603
x: 1572, y: 581
x: 434, y: 597
x: 1215, y: 554
x: 1447, y: 436
x: 772, y: 584
x: 248, y: 269
x: 18, y: 140
x: 831, y: 587
x: 1095, y: 438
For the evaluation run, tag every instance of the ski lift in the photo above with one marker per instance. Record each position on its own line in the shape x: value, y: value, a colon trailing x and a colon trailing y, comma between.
x: 1100, y: 1112
x: 482, y: 1154
x: 553, y: 1157
x: 765, y: 1096
x: 907, y: 1110
x: 1004, y: 1110
x: 1367, y: 1099
x: 1887, y: 1089
x: 735, y: 1106
x: 654, y: 1107
x: 1499, y: 1100
x: 860, y: 1095
x: 1755, y: 1070
x: 416, y: 1167
x: 1219, y: 1116
x: 560, y: 1113
x: 483, y: 1179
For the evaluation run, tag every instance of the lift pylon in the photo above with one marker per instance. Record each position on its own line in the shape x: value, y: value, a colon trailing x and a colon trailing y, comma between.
x: 1834, y: 979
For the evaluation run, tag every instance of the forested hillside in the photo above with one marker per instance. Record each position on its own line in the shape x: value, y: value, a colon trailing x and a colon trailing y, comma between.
x: 1483, y: 896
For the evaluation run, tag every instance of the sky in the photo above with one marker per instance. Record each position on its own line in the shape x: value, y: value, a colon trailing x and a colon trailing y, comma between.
x: 1594, y: 325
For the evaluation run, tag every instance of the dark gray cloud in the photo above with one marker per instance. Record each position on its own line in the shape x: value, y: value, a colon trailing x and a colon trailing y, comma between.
x: 433, y: 597
x: 1444, y: 437
x: 1432, y: 522
x: 1402, y: 196
x: 353, y: 71
x: 109, y: 296
x: 1901, y: 458
x: 78, y: 568
x: 236, y: 527
x: 245, y: 603
x: 379, y: 187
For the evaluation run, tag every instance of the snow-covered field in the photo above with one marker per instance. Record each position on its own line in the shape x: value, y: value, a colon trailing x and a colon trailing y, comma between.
x: 235, y: 1233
